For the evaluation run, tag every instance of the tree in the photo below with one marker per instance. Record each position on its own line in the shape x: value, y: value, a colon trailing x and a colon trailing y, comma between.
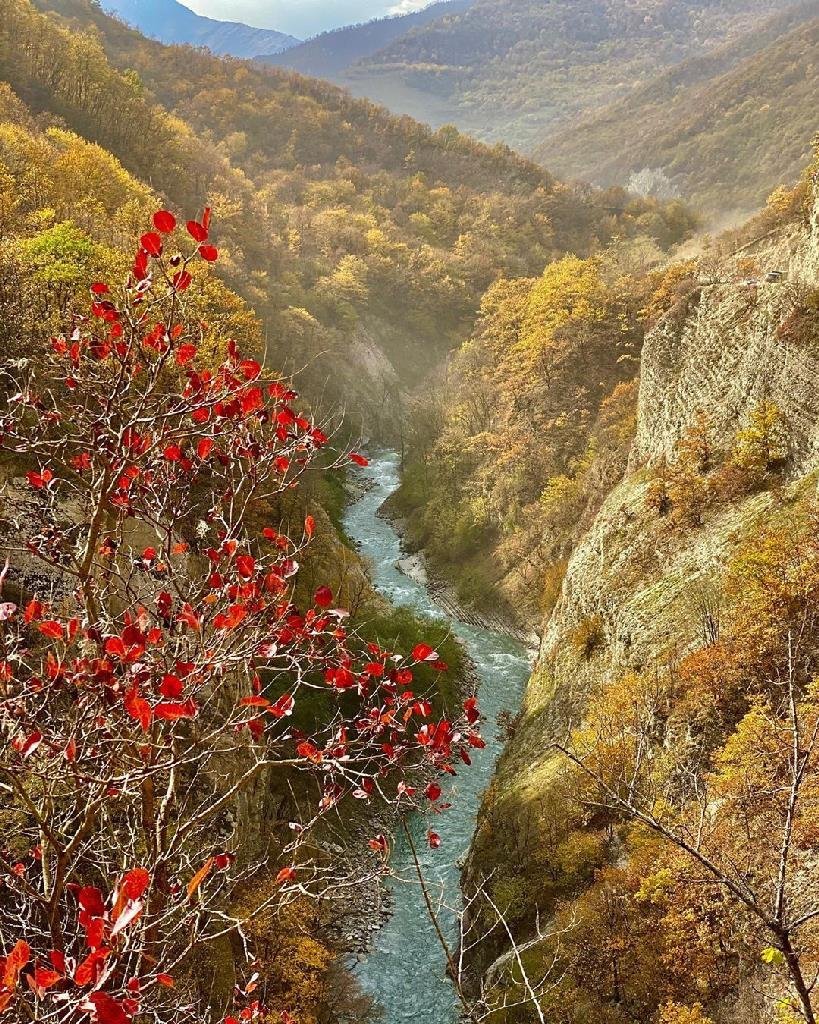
x: 747, y: 827
x: 761, y: 447
x: 157, y: 669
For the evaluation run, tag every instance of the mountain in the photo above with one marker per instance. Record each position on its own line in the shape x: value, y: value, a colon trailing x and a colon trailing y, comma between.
x: 721, y: 130
x: 513, y: 70
x: 362, y: 241
x: 330, y: 54
x: 172, y: 22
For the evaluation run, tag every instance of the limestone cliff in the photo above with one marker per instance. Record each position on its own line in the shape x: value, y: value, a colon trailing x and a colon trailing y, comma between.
x: 636, y: 594
x: 730, y: 351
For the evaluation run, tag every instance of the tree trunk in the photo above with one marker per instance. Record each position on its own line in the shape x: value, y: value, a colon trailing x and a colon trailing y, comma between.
x: 798, y: 979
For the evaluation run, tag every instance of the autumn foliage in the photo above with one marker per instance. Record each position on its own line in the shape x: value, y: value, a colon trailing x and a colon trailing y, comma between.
x: 153, y: 664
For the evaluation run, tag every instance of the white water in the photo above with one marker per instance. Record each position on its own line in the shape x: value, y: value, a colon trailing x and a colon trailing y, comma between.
x: 405, y: 971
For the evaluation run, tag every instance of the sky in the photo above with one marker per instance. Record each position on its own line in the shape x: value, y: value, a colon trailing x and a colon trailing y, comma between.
x: 302, y: 18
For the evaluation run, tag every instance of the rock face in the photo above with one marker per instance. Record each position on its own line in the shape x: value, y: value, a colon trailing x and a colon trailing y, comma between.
x: 728, y: 352
x: 635, y: 593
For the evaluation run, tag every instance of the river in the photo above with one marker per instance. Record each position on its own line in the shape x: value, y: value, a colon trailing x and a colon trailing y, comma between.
x: 405, y: 971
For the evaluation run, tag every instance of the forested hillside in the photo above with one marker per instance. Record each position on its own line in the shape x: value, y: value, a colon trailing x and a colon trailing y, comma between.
x: 513, y: 69
x: 362, y: 241
x: 721, y: 130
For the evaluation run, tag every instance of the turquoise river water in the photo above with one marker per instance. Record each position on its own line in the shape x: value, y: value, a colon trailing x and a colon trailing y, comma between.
x: 405, y: 970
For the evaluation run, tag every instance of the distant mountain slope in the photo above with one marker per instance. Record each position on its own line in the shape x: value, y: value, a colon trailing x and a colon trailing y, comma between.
x: 363, y: 241
x: 328, y: 55
x: 172, y: 22
x: 724, y: 129
x: 511, y: 70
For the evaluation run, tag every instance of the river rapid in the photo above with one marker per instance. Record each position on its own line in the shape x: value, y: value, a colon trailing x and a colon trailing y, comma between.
x: 405, y: 970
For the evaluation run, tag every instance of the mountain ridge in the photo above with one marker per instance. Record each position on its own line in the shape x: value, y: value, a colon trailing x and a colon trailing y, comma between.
x: 172, y: 22
x: 329, y: 54
x: 512, y: 70
x: 747, y: 104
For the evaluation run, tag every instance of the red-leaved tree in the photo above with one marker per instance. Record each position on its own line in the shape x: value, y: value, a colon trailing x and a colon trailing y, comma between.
x: 153, y: 674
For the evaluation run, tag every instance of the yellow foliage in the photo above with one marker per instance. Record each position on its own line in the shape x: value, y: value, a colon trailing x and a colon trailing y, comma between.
x: 762, y: 445
x: 674, y: 1013
x: 292, y: 961
x: 569, y: 291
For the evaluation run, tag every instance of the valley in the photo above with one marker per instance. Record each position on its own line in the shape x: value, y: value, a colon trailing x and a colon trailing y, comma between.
x: 315, y: 404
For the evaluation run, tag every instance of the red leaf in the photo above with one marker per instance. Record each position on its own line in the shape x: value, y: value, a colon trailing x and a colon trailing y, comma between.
x: 44, y: 977
x: 173, y: 453
x: 185, y: 353
x: 308, y: 750
x: 254, y: 702
x: 249, y: 369
x: 189, y: 617
x: 115, y: 646
x: 99, y: 288
x: 151, y: 242
x: 341, y: 678
x: 204, y: 447
x: 232, y: 618
x: 39, y: 480
x: 209, y: 253
x: 171, y: 687
x: 140, y: 267
x: 30, y: 744
x: 138, y: 708
x: 433, y: 791
x: 51, y: 629
x: 89, y: 970
x: 165, y: 979
x: 245, y: 566
x: 283, y: 706
x: 131, y: 913
x: 433, y: 839
x: 170, y: 711
x: 164, y: 221
x: 423, y: 652
x: 309, y: 526
x: 286, y: 875
x: 359, y: 460
x: 94, y: 932
x: 135, y: 882
x: 15, y: 962
x: 182, y: 280
x: 34, y: 610
x: 197, y: 230
x: 323, y: 597
x: 108, y: 1010
x: 251, y: 401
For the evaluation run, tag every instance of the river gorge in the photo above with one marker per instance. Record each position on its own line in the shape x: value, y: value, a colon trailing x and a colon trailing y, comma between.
x: 405, y: 971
